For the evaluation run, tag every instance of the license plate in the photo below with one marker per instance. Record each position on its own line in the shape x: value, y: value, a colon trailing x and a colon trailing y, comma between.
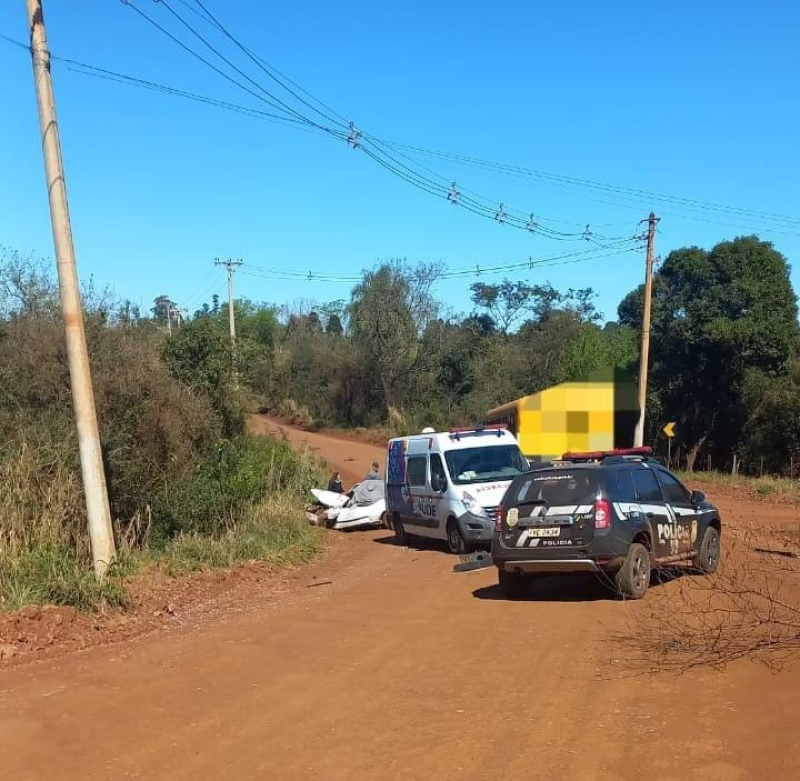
x: 549, y: 532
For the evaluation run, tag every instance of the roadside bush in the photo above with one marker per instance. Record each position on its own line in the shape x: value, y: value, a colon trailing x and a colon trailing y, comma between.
x: 239, y: 473
x: 275, y: 531
x: 164, y: 407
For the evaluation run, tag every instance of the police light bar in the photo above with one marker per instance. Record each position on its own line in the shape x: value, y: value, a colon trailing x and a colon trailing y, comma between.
x: 598, y: 455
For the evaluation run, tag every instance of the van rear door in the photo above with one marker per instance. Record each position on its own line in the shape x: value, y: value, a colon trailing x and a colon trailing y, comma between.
x: 551, y: 508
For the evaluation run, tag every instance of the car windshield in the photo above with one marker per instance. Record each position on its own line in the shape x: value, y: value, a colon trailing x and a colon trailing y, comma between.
x: 554, y: 487
x: 484, y: 464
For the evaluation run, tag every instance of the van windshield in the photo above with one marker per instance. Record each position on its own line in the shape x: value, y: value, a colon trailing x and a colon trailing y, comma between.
x: 484, y: 464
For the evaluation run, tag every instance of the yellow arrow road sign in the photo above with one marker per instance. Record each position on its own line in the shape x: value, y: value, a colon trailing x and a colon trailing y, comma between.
x: 669, y: 429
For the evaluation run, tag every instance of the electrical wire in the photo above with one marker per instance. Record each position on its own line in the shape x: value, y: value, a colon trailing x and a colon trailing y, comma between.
x: 475, y: 271
x: 378, y: 153
x: 266, y: 97
x: 387, y: 153
x: 684, y: 202
x: 215, y: 286
x: 266, y: 68
x: 191, y: 297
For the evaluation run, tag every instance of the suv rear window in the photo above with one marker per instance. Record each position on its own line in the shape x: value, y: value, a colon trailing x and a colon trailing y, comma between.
x: 556, y: 487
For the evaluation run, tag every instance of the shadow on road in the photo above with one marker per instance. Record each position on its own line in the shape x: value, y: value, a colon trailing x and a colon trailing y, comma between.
x: 575, y: 588
x: 420, y: 544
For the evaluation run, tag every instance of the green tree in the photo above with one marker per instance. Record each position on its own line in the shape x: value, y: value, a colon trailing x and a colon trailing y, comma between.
x: 717, y: 316
x: 200, y: 356
x: 389, y: 311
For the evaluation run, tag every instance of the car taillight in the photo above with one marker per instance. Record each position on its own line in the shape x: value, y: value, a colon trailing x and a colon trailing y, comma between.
x: 602, y: 514
x: 498, y: 519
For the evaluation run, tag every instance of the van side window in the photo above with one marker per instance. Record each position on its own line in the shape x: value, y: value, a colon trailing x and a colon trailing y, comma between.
x: 647, y: 486
x: 437, y: 471
x: 417, y: 466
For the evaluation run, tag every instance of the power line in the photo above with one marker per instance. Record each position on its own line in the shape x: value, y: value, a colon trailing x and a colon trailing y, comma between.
x: 267, y: 69
x: 477, y: 270
x: 478, y: 204
x: 378, y: 153
x: 275, y: 103
x: 507, y: 168
x: 683, y: 202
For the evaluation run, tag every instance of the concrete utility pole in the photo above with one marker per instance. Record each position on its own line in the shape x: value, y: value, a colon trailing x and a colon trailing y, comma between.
x: 231, y: 266
x: 652, y: 221
x: 101, y: 533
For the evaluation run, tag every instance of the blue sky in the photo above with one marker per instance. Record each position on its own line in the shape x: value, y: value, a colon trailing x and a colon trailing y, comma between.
x: 698, y: 100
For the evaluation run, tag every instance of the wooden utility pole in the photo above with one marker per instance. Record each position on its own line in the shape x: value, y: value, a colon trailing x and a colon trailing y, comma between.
x: 230, y: 266
x: 652, y: 221
x: 101, y: 533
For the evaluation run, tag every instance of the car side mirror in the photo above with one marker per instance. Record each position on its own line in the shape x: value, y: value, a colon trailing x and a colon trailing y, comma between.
x: 437, y: 483
x: 697, y: 498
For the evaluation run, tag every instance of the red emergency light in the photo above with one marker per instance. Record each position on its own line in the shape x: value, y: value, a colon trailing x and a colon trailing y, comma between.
x: 598, y: 455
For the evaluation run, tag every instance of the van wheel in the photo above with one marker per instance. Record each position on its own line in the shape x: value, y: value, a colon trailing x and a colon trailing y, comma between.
x: 455, y: 541
x: 400, y: 534
x: 512, y: 584
x: 708, y: 560
x: 633, y: 578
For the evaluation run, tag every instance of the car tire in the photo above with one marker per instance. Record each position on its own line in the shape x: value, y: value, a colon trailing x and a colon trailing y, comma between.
x: 400, y: 533
x: 633, y: 577
x: 708, y: 559
x: 512, y: 584
x: 455, y: 540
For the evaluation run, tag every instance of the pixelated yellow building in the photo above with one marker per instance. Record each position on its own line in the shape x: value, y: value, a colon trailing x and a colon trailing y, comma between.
x: 597, y: 414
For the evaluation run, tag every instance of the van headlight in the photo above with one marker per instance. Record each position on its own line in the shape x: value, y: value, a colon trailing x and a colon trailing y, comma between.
x: 471, y: 505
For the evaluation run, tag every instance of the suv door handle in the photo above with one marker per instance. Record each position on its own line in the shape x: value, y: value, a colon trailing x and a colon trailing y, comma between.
x: 649, y: 516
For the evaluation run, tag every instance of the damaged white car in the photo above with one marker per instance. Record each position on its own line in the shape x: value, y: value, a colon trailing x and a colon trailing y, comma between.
x: 363, y: 506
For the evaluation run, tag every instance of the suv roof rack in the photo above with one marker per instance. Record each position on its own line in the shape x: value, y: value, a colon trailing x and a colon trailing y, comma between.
x: 618, y: 455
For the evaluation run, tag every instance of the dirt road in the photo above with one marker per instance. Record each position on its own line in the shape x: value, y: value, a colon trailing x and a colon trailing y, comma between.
x: 397, y: 668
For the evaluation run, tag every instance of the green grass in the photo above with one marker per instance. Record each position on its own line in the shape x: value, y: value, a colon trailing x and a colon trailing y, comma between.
x: 275, y: 532
x: 52, y: 574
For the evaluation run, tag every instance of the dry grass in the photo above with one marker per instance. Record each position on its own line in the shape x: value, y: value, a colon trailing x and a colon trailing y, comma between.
x: 41, y: 501
x: 778, y: 489
x: 749, y: 609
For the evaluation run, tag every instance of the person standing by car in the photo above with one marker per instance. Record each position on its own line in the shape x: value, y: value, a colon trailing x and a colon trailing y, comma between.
x: 335, y: 484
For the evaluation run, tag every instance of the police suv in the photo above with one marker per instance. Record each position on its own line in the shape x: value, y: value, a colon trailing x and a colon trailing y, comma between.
x: 618, y: 513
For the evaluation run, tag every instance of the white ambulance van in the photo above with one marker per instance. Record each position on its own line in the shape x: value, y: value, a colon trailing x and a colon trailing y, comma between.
x: 448, y: 485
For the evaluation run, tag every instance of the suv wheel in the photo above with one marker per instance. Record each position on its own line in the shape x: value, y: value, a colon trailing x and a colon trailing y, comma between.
x: 400, y: 534
x: 633, y: 578
x: 512, y: 584
x: 708, y: 560
x: 455, y: 540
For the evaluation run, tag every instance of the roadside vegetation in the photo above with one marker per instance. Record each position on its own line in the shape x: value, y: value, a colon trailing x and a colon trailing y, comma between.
x: 188, y: 489
x: 392, y: 358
